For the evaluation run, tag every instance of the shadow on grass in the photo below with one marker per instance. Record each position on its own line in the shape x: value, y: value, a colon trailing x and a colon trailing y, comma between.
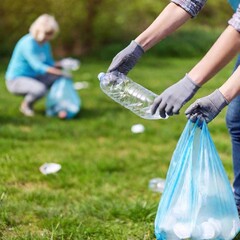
x: 40, y: 118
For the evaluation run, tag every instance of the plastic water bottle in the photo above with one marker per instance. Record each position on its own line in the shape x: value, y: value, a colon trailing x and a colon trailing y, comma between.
x: 128, y: 93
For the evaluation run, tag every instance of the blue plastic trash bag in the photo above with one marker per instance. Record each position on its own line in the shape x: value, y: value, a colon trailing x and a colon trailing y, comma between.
x: 197, y: 202
x: 62, y: 97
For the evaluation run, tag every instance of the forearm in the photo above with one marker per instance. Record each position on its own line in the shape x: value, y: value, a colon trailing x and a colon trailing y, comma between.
x: 220, y: 54
x: 170, y: 19
x: 231, y: 88
x: 55, y: 71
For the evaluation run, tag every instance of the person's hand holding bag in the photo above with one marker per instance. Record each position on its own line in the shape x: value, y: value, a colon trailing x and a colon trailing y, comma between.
x: 174, y: 97
x: 206, y: 108
x: 125, y: 60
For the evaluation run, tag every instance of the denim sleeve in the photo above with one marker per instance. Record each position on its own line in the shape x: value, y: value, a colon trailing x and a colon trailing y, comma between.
x: 235, y: 20
x: 193, y: 7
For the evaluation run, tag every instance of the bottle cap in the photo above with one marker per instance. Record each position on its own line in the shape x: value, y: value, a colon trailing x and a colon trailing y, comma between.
x: 101, y: 75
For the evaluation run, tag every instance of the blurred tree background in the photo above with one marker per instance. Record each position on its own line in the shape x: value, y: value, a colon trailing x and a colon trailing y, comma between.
x: 102, y: 190
x: 90, y: 25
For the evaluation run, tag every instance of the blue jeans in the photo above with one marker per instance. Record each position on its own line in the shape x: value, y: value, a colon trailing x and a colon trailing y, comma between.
x: 233, y: 124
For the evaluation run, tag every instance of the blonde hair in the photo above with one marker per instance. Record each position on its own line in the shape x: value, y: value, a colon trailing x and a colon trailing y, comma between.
x: 43, y: 24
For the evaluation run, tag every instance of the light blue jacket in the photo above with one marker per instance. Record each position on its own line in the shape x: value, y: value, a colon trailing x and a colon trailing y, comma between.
x: 29, y: 58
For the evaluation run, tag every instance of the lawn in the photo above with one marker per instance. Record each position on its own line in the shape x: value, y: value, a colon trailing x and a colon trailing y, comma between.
x: 102, y: 190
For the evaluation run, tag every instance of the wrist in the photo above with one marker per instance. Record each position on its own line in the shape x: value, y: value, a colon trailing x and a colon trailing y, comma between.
x: 141, y: 43
x: 226, y: 94
x: 195, y: 83
x: 137, y: 48
x: 190, y: 84
x: 229, y: 92
x: 218, y: 99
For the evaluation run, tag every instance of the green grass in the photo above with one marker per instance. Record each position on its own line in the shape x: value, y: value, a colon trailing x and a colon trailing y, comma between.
x: 102, y: 190
x: 193, y: 42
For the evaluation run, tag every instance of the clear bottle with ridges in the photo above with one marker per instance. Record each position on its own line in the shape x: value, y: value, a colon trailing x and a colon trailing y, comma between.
x: 128, y: 93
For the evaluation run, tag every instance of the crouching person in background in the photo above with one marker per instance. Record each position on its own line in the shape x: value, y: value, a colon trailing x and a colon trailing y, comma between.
x: 32, y: 69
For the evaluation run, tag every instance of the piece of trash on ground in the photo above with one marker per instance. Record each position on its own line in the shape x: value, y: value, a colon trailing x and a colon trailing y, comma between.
x: 70, y: 64
x: 137, y: 128
x: 49, y: 168
x: 80, y: 85
x: 157, y: 184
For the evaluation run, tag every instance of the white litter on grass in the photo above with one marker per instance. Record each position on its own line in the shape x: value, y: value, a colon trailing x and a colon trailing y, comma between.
x: 80, y: 85
x: 70, y: 64
x: 49, y: 168
x: 157, y: 184
x: 137, y: 128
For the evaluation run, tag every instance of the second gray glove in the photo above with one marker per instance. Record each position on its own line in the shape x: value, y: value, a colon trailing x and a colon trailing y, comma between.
x: 206, y: 108
x: 125, y: 60
x: 174, y: 97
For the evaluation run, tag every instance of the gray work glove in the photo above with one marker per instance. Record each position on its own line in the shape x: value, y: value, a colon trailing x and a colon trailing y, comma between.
x: 206, y: 108
x: 125, y: 60
x: 174, y: 97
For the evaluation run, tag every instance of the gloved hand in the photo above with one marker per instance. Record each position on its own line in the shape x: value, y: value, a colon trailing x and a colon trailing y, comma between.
x: 125, y: 60
x: 174, y: 97
x: 206, y: 108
